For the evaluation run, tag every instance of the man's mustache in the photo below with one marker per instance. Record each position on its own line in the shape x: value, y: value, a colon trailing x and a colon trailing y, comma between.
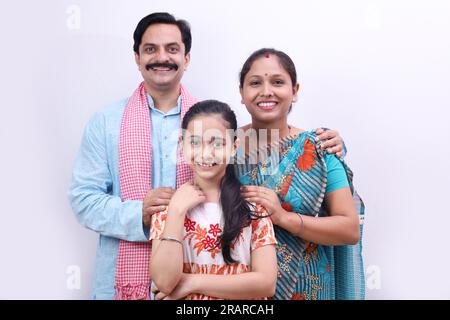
x: 161, y: 65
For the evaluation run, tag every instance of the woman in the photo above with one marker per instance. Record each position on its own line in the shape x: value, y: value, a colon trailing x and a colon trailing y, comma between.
x: 211, y: 243
x: 307, y: 192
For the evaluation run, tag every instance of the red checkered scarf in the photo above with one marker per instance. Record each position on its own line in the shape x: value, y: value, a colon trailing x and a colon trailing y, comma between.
x: 135, y: 168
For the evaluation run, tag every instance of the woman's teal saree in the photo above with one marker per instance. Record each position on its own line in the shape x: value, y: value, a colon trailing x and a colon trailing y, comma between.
x: 296, y: 170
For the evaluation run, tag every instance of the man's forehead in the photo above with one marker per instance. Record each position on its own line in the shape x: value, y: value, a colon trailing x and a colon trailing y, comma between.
x: 162, y: 32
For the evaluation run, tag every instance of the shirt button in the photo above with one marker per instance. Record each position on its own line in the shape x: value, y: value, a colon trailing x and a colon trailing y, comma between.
x: 165, y: 137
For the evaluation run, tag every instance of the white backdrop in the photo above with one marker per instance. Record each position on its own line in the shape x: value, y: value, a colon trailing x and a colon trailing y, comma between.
x: 378, y: 71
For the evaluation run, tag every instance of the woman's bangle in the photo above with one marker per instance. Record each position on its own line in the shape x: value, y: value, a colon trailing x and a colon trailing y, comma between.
x: 171, y: 239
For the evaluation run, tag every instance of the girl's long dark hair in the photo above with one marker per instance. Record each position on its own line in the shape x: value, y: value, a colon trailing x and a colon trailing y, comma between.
x: 236, y: 210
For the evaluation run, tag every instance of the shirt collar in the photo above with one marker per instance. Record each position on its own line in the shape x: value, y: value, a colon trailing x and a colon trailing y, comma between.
x: 175, y: 110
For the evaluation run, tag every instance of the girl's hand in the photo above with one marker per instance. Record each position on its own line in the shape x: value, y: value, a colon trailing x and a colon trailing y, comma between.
x: 183, y: 289
x: 186, y: 197
x: 267, y: 198
x: 158, y: 295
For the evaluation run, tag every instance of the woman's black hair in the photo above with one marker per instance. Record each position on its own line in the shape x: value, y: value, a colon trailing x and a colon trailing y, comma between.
x: 164, y: 18
x: 236, y: 210
x: 285, y: 61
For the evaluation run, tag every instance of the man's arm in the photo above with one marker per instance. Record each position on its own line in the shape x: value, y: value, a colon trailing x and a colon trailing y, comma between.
x: 90, y: 191
x: 331, y: 141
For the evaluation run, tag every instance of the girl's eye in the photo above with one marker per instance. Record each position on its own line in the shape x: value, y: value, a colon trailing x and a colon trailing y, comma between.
x: 195, y: 143
x: 218, y: 144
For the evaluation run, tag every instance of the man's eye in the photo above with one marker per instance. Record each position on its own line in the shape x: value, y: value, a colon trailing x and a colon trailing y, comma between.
x: 149, y: 49
x: 173, y: 50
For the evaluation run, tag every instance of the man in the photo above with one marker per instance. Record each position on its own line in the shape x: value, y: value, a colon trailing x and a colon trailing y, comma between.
x: 128, y: 165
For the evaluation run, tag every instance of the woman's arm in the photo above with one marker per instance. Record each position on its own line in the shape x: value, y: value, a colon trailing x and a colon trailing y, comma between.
x: 260, y: 282
x: 341, y: 227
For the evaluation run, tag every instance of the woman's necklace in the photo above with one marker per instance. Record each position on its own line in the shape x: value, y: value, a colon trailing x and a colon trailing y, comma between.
x: 255, y: 131
x: 290, y: 133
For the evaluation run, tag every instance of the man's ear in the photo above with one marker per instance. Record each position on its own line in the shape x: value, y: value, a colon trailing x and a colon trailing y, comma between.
x: 137, y: 59
x: 187, y: 60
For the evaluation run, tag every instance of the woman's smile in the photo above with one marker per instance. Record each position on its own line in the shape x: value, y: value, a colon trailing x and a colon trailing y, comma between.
x: 267, y: 105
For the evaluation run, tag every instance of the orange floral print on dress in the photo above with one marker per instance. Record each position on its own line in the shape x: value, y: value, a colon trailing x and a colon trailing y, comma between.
x: 307, y: 160
x: 189, y: 224
x: 214, y: 251
x: 203, y: 239
x: 264, y: 232
x: 200, y: 246
x: 198, y: 234
x: 218, y: 244
x: 157, y: 223
x: 214, y: 229
x: 259, y: 235
x: 208, y: 242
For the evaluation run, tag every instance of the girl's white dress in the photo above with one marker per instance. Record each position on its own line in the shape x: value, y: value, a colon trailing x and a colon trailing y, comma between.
x: 201, y: 245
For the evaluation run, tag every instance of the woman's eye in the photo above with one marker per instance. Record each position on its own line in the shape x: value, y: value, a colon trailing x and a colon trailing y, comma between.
x: 278, y: 82
x: 254, y: 83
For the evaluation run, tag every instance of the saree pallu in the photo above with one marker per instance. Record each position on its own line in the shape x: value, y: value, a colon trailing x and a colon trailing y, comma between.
x: 296, y: 170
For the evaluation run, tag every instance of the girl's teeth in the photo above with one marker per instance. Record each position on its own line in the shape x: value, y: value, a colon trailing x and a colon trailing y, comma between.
x: 204, y: 164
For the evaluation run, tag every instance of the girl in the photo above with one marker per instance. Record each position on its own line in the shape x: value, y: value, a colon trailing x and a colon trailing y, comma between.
x: 307, y: 193
x: 211, y: 243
